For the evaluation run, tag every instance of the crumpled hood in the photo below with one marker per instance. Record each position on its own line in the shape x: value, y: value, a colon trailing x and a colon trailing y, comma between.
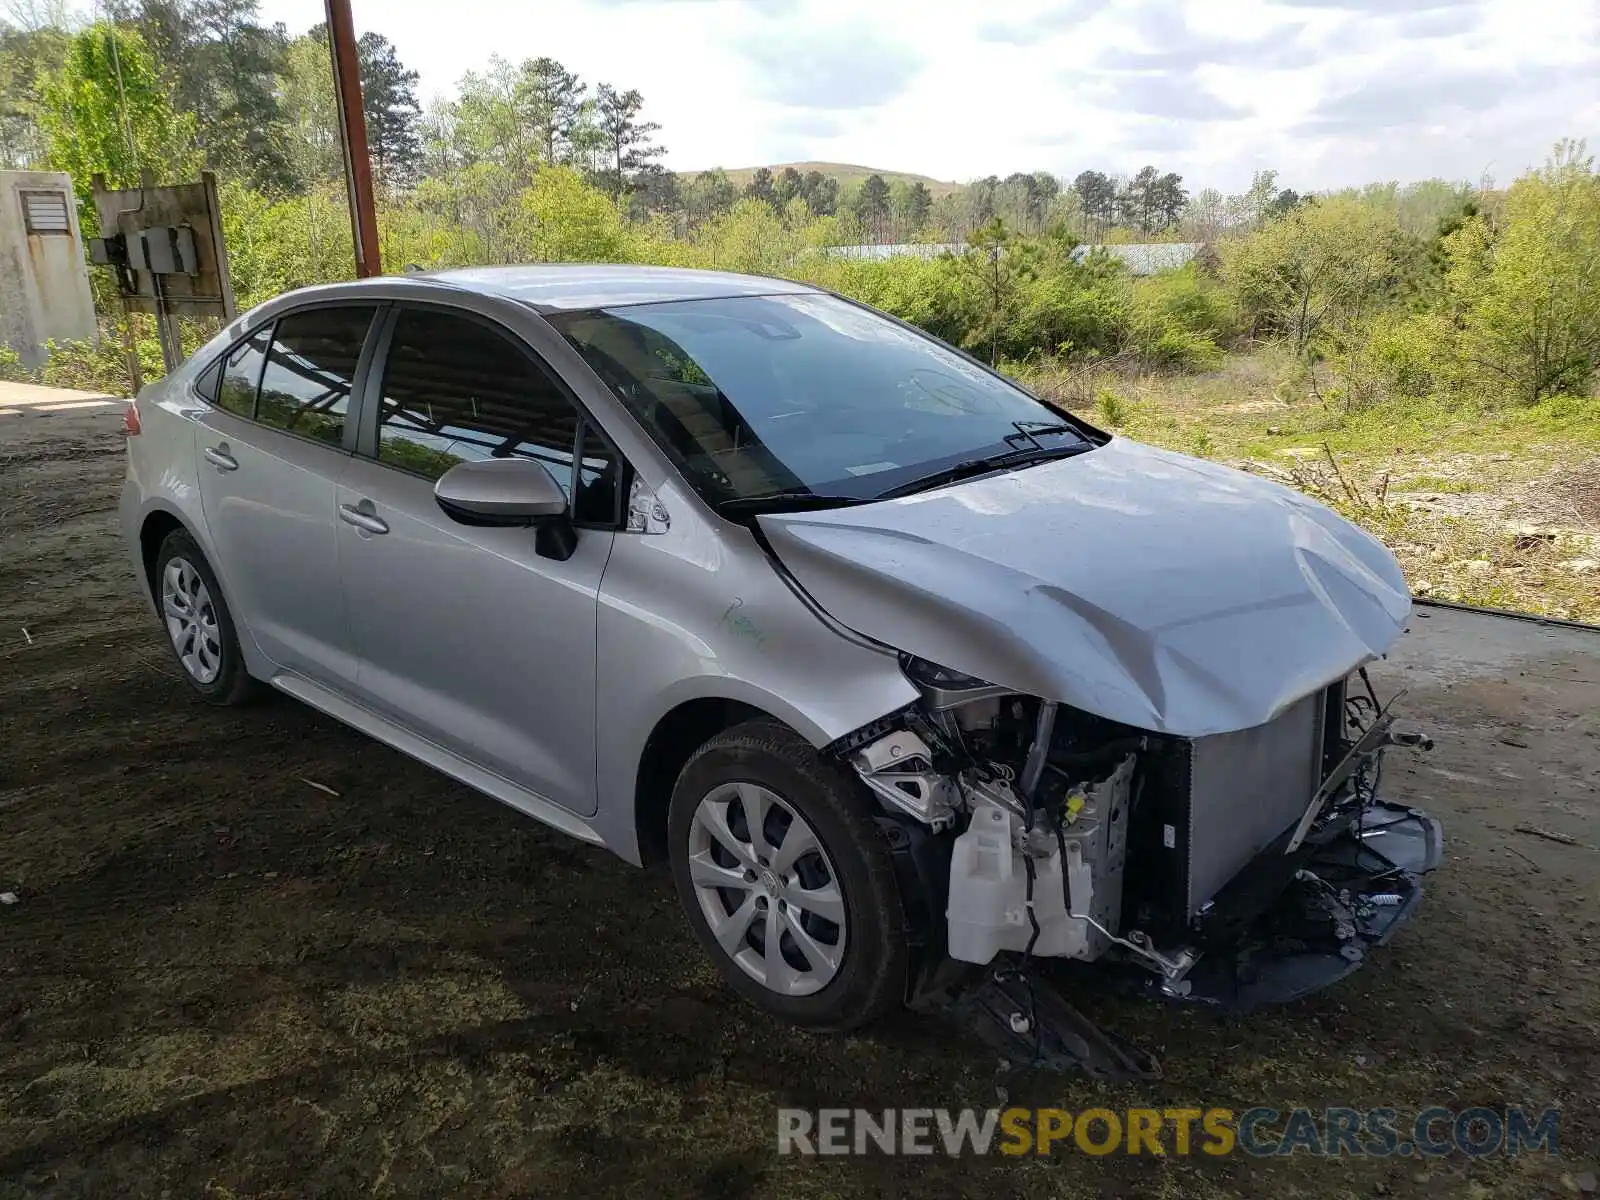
x: 1166, y: 592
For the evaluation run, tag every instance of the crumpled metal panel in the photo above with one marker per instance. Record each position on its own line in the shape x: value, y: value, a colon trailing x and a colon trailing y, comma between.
x: 1166, y: 592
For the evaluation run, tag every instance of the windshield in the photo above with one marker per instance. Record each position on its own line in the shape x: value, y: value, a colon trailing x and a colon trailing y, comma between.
x: 804, y: 396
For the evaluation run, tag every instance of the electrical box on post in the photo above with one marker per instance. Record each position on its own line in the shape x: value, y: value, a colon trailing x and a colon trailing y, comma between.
x: 172, y: 260
x: 168, y: 250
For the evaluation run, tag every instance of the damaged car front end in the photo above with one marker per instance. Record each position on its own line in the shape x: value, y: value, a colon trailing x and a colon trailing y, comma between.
x: 1234, y: 870
x: 1175, y: 780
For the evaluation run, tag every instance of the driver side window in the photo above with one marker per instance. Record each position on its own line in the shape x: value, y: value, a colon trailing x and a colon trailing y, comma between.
x: 456, y: 391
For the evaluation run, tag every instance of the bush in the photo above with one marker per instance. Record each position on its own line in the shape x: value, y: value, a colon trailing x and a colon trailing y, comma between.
x: 11, y: 368
x: 1527, y: 289
x: 89, y: 367
x: 1111, y: 407
x: 1318, y: 271
x: 1403, y: 355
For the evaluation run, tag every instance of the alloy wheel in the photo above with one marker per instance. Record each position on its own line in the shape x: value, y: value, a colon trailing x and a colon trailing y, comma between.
x: 191, y: 620
x: 767, y: 888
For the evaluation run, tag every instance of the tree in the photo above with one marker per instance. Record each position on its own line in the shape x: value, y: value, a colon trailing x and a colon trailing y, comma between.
x: 439, y: 137
x: 872, y: 205
x: 910, y: 203
x: 821, y: 193
x: 998, y: 272
x: 1098, y: 196
x: 27, y: 56
x: 1152, y: 201
x: 492, y: 121
x: 1167, y: 200
x: 588, y: 147
x: 1026, y: 197
x: 1205, y: 215
x: 569, y: 221
x: 760, y: 186
x: 310, y: 112
x: 1253, y: 208
x: 655, y: 190
x: 627, y: 137
x: 1284, y: 201
x: 555, y: 98
x: 223, y: 68
x: 789, y: 184
x: 1528, y: 292
x: 709, y: 194
x: 1319, y: 270
x: 389, y: 100
x: 106, y: 111
x: 982, y: 195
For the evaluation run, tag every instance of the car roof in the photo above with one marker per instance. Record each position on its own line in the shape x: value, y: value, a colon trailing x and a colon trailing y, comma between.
x: 554, y: 287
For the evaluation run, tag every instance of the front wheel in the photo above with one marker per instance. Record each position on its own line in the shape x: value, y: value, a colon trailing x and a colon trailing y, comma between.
x: 786, y: 879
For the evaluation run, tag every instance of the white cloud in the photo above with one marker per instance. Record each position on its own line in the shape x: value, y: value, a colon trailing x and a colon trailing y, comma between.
x: 1328, y: 92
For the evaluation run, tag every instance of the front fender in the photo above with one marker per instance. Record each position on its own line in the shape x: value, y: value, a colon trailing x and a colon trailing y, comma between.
x: 701, y: 614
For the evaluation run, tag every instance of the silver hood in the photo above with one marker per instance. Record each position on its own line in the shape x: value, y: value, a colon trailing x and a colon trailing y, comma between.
x: 1162, y: 591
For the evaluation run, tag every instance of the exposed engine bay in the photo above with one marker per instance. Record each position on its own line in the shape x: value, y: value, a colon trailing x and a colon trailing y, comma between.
x: 1238, y: 869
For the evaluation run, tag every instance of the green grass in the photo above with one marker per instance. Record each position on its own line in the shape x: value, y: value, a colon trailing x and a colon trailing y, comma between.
x: 1265, y: 413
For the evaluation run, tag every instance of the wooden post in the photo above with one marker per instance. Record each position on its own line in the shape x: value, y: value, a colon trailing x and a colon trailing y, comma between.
x: 353, y: 137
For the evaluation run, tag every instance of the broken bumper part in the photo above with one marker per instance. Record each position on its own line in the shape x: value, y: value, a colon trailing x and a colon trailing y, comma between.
x: 1348, y: 897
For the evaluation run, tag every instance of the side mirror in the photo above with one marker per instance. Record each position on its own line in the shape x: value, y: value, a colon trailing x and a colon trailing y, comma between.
x: 500, y: 491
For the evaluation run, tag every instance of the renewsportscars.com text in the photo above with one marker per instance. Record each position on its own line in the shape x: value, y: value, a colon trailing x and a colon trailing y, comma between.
x: 1259, y: 1132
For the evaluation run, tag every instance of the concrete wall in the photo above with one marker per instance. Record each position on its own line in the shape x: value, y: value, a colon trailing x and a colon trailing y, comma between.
x: 44, y: 282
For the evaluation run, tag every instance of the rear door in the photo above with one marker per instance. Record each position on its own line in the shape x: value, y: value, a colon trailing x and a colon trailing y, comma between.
x: 468, y: 635
x: 272, y: 448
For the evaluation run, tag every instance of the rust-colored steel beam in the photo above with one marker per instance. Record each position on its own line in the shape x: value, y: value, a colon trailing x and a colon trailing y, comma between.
x: 353, y: 136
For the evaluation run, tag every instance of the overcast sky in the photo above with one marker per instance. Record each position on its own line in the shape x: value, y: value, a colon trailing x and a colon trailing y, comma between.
x: 1328, y: 92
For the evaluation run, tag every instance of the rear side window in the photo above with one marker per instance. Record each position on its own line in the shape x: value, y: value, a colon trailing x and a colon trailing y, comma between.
x: 455, y: 391
x: 310, y: 370
x: 206, y: 385
x: 241, y: 371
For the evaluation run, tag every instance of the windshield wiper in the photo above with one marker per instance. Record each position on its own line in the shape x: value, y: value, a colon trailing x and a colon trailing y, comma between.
x: 983, y: 466
x: 794, y: 501
x: 1032, y: 429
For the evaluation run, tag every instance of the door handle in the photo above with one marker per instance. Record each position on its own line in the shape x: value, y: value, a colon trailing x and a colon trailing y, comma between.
x: 219, y: 457
x: 371, y: 522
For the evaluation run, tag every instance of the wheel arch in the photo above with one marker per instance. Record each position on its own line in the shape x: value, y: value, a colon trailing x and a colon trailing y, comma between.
x: 675, y: 737
x: 158, y: 524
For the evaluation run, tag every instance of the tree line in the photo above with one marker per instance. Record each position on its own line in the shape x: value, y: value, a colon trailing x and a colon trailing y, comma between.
x: 211, y: 85
x: 1431, y: 289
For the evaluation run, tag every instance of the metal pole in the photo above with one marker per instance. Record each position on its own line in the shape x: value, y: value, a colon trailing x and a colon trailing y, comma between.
x: 353, y: 137
x: 166, y: 327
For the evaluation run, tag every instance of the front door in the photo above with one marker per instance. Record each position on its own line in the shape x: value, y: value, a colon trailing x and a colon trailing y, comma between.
x: 467, y: 635
x: 272, y: 450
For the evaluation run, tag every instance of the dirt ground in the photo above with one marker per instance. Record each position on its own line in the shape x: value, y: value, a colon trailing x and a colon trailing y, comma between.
x: 256, y: 954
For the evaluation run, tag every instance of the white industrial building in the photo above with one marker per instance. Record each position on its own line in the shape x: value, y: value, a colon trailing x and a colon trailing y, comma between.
x: 44, y: 281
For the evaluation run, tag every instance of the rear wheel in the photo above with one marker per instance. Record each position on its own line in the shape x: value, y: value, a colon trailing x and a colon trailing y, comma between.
x: 199, y: 627
x: 786, y: 879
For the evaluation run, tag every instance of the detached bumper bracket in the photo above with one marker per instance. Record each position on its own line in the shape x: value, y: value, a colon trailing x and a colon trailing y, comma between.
x: 1352, y: 893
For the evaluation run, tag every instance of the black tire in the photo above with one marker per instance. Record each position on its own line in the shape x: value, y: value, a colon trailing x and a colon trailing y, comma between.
x: 870, y: 979
x: 232, y: 684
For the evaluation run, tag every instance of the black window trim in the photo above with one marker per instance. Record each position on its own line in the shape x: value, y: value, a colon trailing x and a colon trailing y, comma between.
x: 366, y: 419
x: 369, y: 345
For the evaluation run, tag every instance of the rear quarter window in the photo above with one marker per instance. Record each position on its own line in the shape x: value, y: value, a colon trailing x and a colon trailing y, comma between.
x: 205, y: 384
x: 241, y: 374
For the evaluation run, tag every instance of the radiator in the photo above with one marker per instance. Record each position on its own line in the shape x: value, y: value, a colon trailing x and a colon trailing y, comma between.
x: 1245, y: 789
x: 1207, y: 806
